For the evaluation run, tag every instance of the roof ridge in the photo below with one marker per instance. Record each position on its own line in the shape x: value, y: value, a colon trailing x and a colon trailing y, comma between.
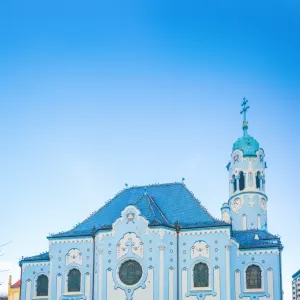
x: 151, y: 210
x: 151, y: 185
x: 160, y: 211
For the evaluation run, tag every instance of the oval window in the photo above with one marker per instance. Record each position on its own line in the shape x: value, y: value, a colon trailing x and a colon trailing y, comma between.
x: 130, y: 272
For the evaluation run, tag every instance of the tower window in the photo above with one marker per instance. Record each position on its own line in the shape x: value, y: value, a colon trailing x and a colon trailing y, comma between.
x: 42, y: 286
x: 259, y: 221
x: 258, y: 180
x: 244, y: 222
x: 242, y: 181
x: 74, y: 279
x: 234, y: 183
x: 253, y: 277
x: 200, y: 275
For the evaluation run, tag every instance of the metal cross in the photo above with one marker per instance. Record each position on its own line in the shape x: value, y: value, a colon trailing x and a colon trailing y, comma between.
x: 245, y: 108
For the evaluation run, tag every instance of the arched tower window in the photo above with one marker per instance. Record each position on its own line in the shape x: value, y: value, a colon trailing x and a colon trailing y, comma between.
x: 244, y: 222
x: 253, y: 277
x: 258, y: 180
x: 200, y: 275
x: 42, y: 286
x: 242, y: 181
x: 234, y: 183
x: 258, y: 221
x: 74, y: 279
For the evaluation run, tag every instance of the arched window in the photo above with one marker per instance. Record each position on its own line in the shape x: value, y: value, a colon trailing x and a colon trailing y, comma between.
x: 253, y: 277
x: 201, y: 275
x: 242, y: 181
x: 258, y: 180
x: 42, y: 286
x: 258, y: 221
x: 74, y: 279
x: 244, y: 222
x: 234, y: 183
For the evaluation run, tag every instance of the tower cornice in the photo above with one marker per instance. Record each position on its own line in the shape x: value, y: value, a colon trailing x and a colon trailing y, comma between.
x: 248, y: 192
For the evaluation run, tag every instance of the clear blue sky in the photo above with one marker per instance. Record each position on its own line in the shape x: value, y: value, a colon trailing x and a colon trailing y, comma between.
x: 96, y: 94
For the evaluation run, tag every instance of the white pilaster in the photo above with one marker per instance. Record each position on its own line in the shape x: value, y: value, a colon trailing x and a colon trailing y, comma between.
x: 87, y: 285
x: 58, y: 286
x: 237, y: 284
x: 171, y: 284
x: 228, y: 286
x: 28, y: 290
x: 270, y: 279
x: 50, y: 278
x: 161, y: 272
x: 100, y: 274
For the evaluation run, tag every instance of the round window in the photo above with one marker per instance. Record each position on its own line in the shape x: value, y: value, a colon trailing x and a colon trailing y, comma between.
x: 130, y: 272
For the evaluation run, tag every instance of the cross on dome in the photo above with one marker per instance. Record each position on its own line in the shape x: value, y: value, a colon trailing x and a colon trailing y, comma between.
x: 244, y: 111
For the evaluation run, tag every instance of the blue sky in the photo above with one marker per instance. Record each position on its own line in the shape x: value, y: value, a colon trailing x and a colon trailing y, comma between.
x: 97, y: 94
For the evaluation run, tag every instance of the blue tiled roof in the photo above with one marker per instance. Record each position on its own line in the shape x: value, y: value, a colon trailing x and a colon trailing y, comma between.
x: 297, y: 274
x: 246, y: 239
x: 160, y: 204
x: 40, y: 257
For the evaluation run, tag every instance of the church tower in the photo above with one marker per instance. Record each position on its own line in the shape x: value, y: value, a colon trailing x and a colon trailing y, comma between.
x: 247, y: 204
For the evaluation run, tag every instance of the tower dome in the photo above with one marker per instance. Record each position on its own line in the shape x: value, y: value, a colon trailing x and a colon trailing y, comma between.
x: 248, y: 144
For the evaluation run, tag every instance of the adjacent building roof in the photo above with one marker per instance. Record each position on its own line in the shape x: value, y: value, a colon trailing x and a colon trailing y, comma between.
x: 256, y: 238
x: 16, y: 284
x: 160, y: 204
x: 40, y: 257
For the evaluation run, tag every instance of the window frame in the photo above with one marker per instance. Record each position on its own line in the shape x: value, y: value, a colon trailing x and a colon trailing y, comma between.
x: 249, y: 290
x: 67, y: 292
x: 35, y: 296
x: 204, y: 288
x: 118, y: 272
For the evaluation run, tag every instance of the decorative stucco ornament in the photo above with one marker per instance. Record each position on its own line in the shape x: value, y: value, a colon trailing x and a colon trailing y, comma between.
x: 237, y: 204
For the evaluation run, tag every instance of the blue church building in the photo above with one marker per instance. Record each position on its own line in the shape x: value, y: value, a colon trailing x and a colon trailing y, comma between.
x: 157, y: 242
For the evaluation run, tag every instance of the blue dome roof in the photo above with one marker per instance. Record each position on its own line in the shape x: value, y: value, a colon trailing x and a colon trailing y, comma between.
x: 247, y: 144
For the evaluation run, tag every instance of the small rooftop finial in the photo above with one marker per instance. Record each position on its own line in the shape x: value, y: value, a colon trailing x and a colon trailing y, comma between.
x: 126, y: 185
x: 244, y: 111
x: 182, y: 180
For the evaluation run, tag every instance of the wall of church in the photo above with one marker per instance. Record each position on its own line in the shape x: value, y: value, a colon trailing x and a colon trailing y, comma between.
x: 208, y: 246
x: 67, y: 255
x: 269, y: 263
x: 30, y: 273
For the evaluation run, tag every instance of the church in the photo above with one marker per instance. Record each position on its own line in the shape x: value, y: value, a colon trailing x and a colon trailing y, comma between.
x: 157, y: 242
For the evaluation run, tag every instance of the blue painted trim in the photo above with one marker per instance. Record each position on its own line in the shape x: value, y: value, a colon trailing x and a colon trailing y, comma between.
x: 68, y: 237
x: 249, y: 192
x: 24, y: 261
x: 280, y: 272
x: 270, y: 246
x: 296, y: 274
x: 206, y: 228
